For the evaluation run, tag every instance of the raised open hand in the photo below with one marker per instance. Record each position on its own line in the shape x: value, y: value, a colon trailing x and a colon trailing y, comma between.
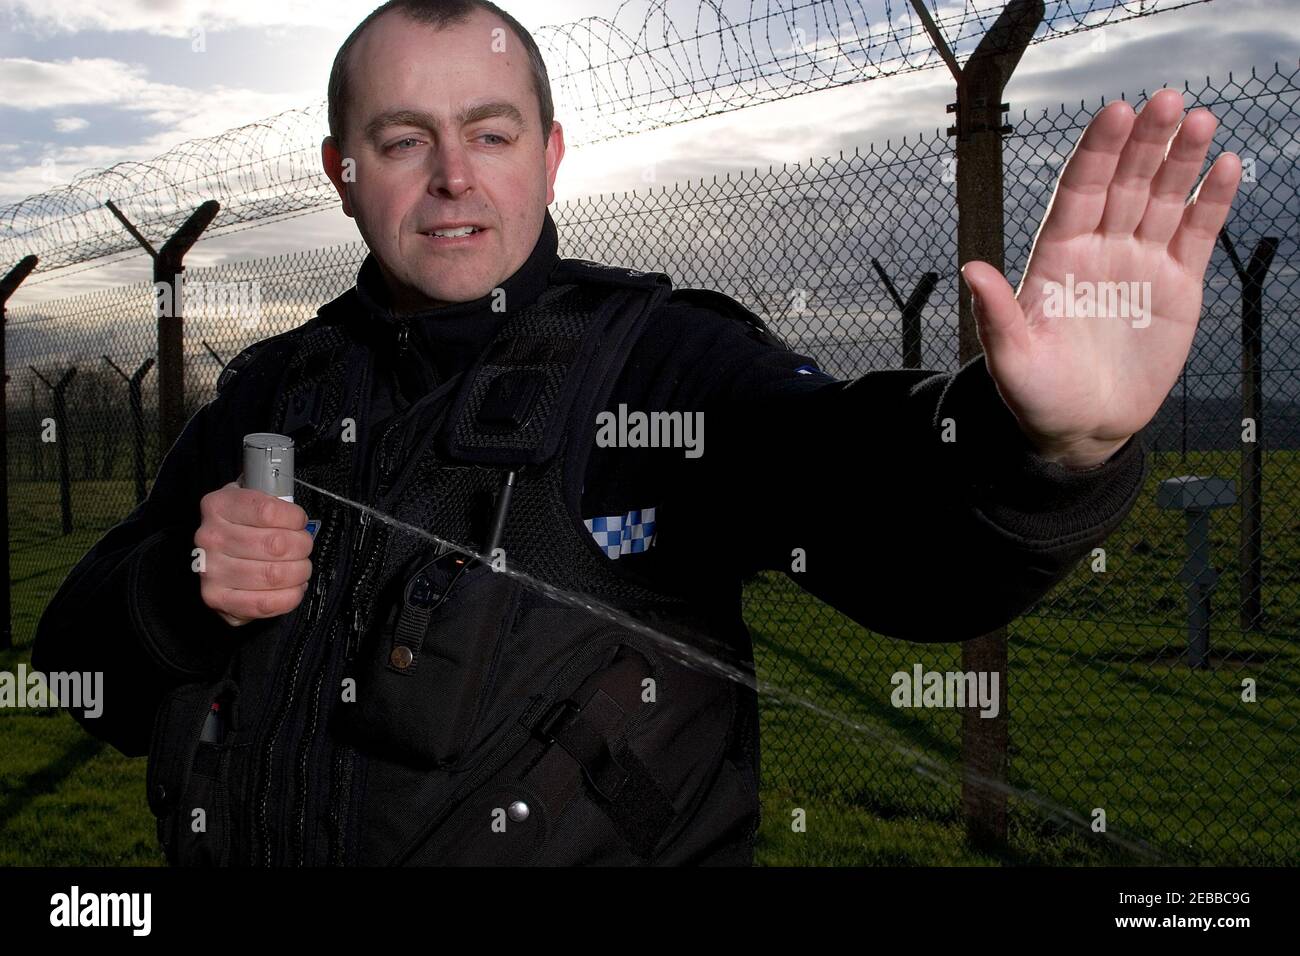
x: 1089, y: 346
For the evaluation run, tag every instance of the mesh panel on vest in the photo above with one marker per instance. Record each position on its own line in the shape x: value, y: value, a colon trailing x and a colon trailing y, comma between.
x: 560, y: 315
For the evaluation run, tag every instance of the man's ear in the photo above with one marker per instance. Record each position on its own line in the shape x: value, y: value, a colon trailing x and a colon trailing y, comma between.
x: 340, y: 169
x: 554, y: 153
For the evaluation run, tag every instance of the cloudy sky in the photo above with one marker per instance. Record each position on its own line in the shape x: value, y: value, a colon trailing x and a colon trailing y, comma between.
x: 90, y: 84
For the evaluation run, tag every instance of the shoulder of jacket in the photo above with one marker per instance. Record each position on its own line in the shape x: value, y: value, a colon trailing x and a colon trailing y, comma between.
x: 267, y: 354
x: 587, y: 270
x: 274, y: 352
x: 708, y: 299
x: 722, y: 304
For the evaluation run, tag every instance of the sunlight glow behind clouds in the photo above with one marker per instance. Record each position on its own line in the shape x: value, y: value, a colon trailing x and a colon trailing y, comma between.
x: 176, y: 18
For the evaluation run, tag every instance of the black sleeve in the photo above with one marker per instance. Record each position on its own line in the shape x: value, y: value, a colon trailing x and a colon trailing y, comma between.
x: 131, y: 608
x: 909, y: 535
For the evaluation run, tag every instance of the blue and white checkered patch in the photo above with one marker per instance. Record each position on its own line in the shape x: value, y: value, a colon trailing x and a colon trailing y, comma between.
x: 618, y: 535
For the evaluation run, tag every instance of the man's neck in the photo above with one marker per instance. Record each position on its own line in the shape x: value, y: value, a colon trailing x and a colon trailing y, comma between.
x: 408, y: 301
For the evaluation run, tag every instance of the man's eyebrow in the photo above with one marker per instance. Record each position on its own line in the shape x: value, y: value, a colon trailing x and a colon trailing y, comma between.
x: 482, y: 111
x: 426, y: 120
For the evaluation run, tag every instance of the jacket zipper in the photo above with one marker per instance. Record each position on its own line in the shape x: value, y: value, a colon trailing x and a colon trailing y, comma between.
x: 363, y: 557
x: 323, y: 590
x: 309, y: 737
x: 298, y: 844
x: 267, y: 754
x: 362, y: 592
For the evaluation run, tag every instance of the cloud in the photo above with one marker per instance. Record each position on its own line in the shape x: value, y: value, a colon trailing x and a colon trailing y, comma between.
x: 39, y: 85
x: 175, y: 18
x: 177, y: 113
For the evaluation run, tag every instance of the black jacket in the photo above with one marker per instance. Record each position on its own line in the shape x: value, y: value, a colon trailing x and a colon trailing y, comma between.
x: 853, y: 473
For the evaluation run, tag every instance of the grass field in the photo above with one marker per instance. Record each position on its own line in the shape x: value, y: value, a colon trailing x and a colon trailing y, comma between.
x: 1102, y: 714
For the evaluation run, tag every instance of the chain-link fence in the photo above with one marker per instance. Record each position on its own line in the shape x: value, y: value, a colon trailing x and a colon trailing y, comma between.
x: 1107, y: 717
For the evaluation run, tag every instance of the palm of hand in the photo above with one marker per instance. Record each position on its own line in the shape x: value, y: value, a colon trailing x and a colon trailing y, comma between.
x: 1090, y: 345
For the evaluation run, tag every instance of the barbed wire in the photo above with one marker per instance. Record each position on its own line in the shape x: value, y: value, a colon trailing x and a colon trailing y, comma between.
x: 632, y: 73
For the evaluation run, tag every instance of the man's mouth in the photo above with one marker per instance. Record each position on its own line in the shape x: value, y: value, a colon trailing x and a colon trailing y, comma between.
x: 454, y: 232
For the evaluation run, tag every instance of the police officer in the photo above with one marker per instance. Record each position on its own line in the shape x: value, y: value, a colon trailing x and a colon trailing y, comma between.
x: 371, y: 696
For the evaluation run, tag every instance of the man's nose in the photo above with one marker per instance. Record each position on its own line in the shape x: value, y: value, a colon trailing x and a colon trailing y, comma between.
x: 452, y: 172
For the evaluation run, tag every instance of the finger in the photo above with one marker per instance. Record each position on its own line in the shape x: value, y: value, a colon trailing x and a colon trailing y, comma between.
x: 999, y: 321
x: 253, y: 508
x: 245, y: 575
x: 1193, y: 243
x: 254, y: 605
x: 1140, y: 160
x: 259, y: 544
x: 1080, y: 197
x: 1177, y: 176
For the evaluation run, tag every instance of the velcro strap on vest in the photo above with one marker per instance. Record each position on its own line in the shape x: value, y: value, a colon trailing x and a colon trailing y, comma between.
x: 586, y: 737
x: 550, y: 364
x: 592, y: 735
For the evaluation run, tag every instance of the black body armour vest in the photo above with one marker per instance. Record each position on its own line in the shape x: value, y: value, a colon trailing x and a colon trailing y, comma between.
x: 420, y: 708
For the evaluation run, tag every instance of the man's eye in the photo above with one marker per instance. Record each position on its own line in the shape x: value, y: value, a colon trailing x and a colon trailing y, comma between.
x: 407, y: 139
x: 494, y: 136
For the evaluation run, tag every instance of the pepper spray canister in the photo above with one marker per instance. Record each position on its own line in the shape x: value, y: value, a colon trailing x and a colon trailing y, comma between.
x: 268, y: 467
x: 268, y: 464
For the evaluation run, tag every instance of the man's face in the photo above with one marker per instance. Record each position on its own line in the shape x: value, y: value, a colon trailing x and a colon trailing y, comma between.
x: 444, y: 129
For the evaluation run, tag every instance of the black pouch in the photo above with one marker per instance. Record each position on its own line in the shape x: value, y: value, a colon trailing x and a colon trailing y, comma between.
x: 564, y: 787
x: 426, y: 673
x: 186, y: 781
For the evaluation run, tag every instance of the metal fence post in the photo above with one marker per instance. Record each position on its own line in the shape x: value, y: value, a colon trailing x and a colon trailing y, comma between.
x: 979, y: 130
x: 137, y: 418
x: 168, y: 265
x: 61, y: 438
x: 8, y: 285
x: 911, y: 310
x: 1251, y: 544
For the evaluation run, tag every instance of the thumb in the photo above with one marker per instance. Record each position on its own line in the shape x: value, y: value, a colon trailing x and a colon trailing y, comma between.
x: 998, y: 318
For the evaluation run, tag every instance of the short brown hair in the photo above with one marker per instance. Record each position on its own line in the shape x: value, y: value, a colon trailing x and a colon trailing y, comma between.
x: 439, y: 14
